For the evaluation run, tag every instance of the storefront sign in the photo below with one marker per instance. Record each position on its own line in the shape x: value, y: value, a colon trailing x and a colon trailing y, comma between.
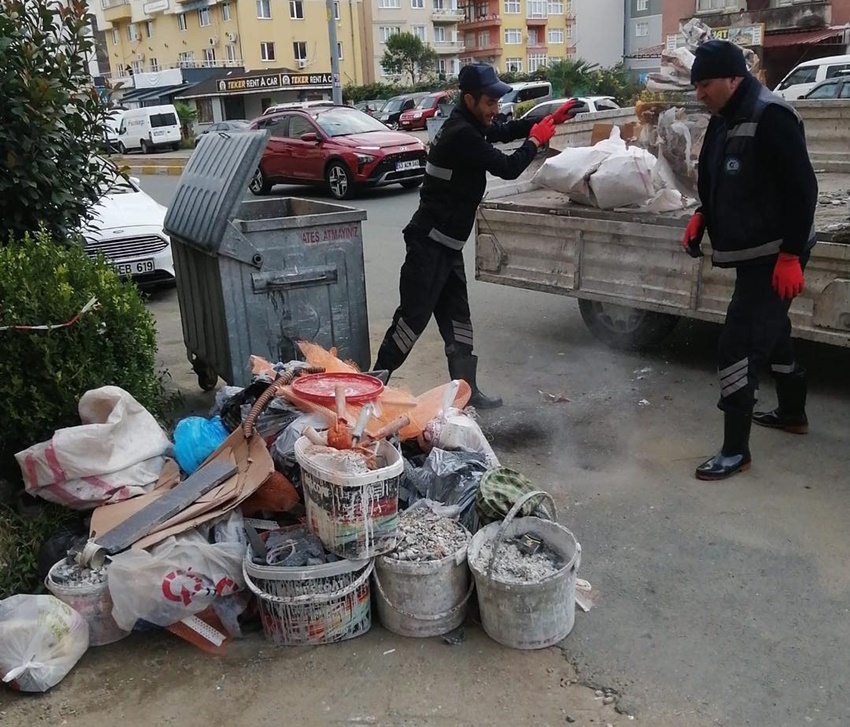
x: 311, y: 79
x: 155, y: 7
x: 249, y: 83
x: 747, y: 36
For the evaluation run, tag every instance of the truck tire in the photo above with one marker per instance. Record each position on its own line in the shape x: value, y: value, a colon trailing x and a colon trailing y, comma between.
x: 622, y: 327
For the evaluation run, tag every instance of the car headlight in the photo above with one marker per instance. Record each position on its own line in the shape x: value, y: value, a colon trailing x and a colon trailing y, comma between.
x: 364, y: 158
x: 417, y: 115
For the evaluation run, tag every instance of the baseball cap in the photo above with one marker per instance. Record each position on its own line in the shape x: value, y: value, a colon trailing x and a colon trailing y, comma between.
x: 482, y: 77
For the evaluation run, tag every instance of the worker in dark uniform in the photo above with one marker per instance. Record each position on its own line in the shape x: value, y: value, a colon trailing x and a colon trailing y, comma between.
x: 758, y: 192
x: 433, y: 279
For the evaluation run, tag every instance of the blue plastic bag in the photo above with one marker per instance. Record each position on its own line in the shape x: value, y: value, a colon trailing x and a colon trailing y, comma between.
x: 195, y: 439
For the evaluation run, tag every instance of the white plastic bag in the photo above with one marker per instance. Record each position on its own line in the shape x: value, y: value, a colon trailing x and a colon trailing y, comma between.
x: 41, y: 639
x: 117, y: 453
x: 624, y: 179
x: 178, y: 578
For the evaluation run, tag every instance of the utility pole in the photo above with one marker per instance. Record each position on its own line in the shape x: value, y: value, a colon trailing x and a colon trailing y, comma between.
x: 337, y: 86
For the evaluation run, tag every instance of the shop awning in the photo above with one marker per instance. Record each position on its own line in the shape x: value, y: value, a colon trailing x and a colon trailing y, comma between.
x: 802, y: 37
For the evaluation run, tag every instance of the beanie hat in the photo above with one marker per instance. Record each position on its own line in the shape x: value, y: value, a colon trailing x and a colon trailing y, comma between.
x: 718, y: 59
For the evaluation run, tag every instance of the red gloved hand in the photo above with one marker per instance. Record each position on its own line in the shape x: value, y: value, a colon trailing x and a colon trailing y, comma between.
x: 788, y: 276
x: 562, y: 113
x: 693, y: 235
x: 543, y: 130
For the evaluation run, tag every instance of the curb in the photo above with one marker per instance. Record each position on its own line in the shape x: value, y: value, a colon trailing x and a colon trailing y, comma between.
x: 151, y: 169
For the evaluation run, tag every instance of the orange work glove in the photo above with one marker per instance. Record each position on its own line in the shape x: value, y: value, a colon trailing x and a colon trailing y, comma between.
x: 563, y: 112
x: 693, y: 235
x: 787, y: 276
x: 543, y: 130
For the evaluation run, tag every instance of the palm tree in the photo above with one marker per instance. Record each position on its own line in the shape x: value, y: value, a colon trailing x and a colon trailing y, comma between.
x: 572, y: 77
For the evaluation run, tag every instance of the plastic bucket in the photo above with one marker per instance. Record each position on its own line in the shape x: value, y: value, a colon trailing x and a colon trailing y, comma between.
x: 93, y: 603
x: 422, y: 599
x: 527, y: 615
x: 355, y: 516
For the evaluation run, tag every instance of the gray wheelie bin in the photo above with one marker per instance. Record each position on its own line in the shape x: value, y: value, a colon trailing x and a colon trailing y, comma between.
x: 257, y: 276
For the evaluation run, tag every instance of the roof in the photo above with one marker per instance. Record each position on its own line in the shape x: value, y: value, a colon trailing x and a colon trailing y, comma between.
x: 651, y: 51
x: 801, y: 37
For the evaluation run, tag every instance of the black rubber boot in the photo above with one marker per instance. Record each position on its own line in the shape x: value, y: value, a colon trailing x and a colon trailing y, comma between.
x: 464, y: 367
x: 790, y: 415
x: 734, y: 456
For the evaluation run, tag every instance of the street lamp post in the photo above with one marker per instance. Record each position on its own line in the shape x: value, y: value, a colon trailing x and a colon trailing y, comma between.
x: 337, y: 86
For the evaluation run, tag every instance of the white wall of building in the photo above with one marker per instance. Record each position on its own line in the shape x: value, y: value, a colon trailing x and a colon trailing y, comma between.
x: 599, y: 31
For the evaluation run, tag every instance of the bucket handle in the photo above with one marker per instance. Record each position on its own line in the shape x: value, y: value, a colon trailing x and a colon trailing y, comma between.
x: 307, y: 598
x: 419, y: 617
x: 518, y: 505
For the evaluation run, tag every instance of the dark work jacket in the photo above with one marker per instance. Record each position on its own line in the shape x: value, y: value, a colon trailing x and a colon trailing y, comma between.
x: 756, y: 183
x: 456, y: 174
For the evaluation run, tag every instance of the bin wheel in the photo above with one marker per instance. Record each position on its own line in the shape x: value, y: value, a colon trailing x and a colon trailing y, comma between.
x: 411, y: 183
x: 259, y: 185
x: 622, y: 327
x: 339, y: 180
x: 207, y: 378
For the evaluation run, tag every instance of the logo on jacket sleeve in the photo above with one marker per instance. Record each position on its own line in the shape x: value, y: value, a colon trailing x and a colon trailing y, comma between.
x: 732, y: 165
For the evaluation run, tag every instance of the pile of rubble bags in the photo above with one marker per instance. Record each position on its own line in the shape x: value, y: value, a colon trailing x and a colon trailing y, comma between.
x: 293, y: 503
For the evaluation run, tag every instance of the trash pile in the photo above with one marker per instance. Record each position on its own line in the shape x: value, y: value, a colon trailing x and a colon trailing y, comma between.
x: 286, y: 506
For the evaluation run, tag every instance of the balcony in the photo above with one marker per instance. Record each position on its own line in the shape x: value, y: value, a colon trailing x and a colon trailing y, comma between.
x: 447, y: 15
x: 493, y: 49
x: 482, y: 21
x: 536, y: 22
x: 114, y: 10
x: 447, y: 47
x: 794, y: 16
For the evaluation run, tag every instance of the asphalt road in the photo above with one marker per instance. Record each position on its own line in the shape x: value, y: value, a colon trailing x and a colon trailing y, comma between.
x: 719, y: 604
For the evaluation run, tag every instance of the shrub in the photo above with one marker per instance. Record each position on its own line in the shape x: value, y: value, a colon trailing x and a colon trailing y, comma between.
x: 43, y: 374
x: 522, y: 107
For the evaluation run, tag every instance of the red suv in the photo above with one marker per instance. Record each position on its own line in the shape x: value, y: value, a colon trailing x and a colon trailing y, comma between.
x: 337, y: 146
x: 417, y: 117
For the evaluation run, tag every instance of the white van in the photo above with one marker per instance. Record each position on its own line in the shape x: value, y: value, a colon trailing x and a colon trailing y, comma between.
x: 806, y: 75
x: 538, y: 91
x: 149, y: 128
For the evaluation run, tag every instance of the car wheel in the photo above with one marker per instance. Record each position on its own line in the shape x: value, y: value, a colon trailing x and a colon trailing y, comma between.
x: 339, y: 181
x: 144, y: 145
x: 411, y: 183
x: 393, y: 125
x: 121, y: 148
x: 259, y: 185
x: 626, y: 328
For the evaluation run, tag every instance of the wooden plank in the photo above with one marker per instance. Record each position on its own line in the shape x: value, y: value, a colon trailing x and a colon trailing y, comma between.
x: 145, y: 521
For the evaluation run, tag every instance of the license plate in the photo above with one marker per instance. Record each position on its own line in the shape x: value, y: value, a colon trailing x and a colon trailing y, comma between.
x: 159, y: 133
x: 137, y: 267
x: 404, y: 166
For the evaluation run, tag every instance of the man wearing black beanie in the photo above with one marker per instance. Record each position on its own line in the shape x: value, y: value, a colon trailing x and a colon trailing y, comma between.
x: 758, y: 193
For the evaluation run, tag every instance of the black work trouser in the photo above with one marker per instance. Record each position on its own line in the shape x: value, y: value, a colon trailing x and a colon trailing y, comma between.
x: 433, y: 282
x: 757, y: 332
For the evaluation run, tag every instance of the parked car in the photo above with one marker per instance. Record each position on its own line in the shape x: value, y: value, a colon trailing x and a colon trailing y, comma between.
x: 229, y: 125
x: 586, y: 105
x: 393, y: 109
x: 805, y: 76
x: 838, y: 87
x: 528, y: 91
x: 275, y: 108
x: 339, y: 147
x: 426, y: 107
x: 372, y: 106
x: 149, y: 128
x: 126, y: 227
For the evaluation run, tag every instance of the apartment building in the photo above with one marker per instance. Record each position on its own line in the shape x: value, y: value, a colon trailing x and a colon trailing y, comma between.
x: 284, y: 42
x: 781, y: 32
x: 643, y: 36
x: 434, y: 22
x: 519, y: 36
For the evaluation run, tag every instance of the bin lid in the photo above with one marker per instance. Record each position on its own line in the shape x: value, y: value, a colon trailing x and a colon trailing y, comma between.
x: 212, y: 186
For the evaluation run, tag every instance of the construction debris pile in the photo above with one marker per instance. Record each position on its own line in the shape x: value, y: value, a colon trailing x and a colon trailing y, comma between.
x: 284, y: 507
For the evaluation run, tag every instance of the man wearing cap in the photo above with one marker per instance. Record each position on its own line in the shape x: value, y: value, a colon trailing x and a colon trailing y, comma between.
x: 433, y: 278
x: 758, y: 192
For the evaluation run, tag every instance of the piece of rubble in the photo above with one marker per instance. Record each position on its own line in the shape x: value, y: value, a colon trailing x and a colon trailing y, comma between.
x: 425, y: 536
x: 514, y: 566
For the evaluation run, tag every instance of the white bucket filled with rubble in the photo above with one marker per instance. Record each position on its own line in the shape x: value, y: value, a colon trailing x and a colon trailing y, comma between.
x: 423, y: 586
x: 525, y: 571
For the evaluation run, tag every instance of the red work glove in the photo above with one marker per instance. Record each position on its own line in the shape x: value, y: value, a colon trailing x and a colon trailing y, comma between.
x: 788, y: 276
x: 693, y: 235
x: 562, y: 113
x: 543, y: 130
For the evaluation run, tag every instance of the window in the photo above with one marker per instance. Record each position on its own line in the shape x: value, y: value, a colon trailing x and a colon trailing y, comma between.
x: 296, y: 9
x: 339, y: 50
x: 513, y: 65
x: 556, y: 36
x: 512, y: 7
x: 209, y: 57
x: 186, y: 59
x: 204, y: 17
x: 845, y: 91
x: 606, y: 105
x: 833, y: 71
x: 132, y: 32
x: 533, y: 37
x: 336, y: 11
x: 181, y: 22
x: 299, y: 50
x: 570, y: 28
x: 556, y: 8
x: 536, y: 62
x: 469, y: 42
x: 149, y: 29
x: 389, y: 3
x: 641, y: 5
x: 205, y: 112
x: 417, y: 4
x: 299, y: 125
x: 230, y: 53
x: 154, y: 65
x: 439, y: 34
x: 420, y: 31
x: 226, y: 10
x: 484, y: 39
x: 160, y: 120
x: 705, y: 6
x: 824, y: 90
x: 807, y: 74
x: 641, y: 30
x: 115, y: 36
x: 385, y: 31
x: 266, y: 51
x: 264, y: 9
x: 513, y: 37
x: 536, y: 9
x: 138, y: 67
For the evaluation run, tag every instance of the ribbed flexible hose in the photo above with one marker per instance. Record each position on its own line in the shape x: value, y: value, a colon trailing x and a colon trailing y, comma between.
x: 270, y: 393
